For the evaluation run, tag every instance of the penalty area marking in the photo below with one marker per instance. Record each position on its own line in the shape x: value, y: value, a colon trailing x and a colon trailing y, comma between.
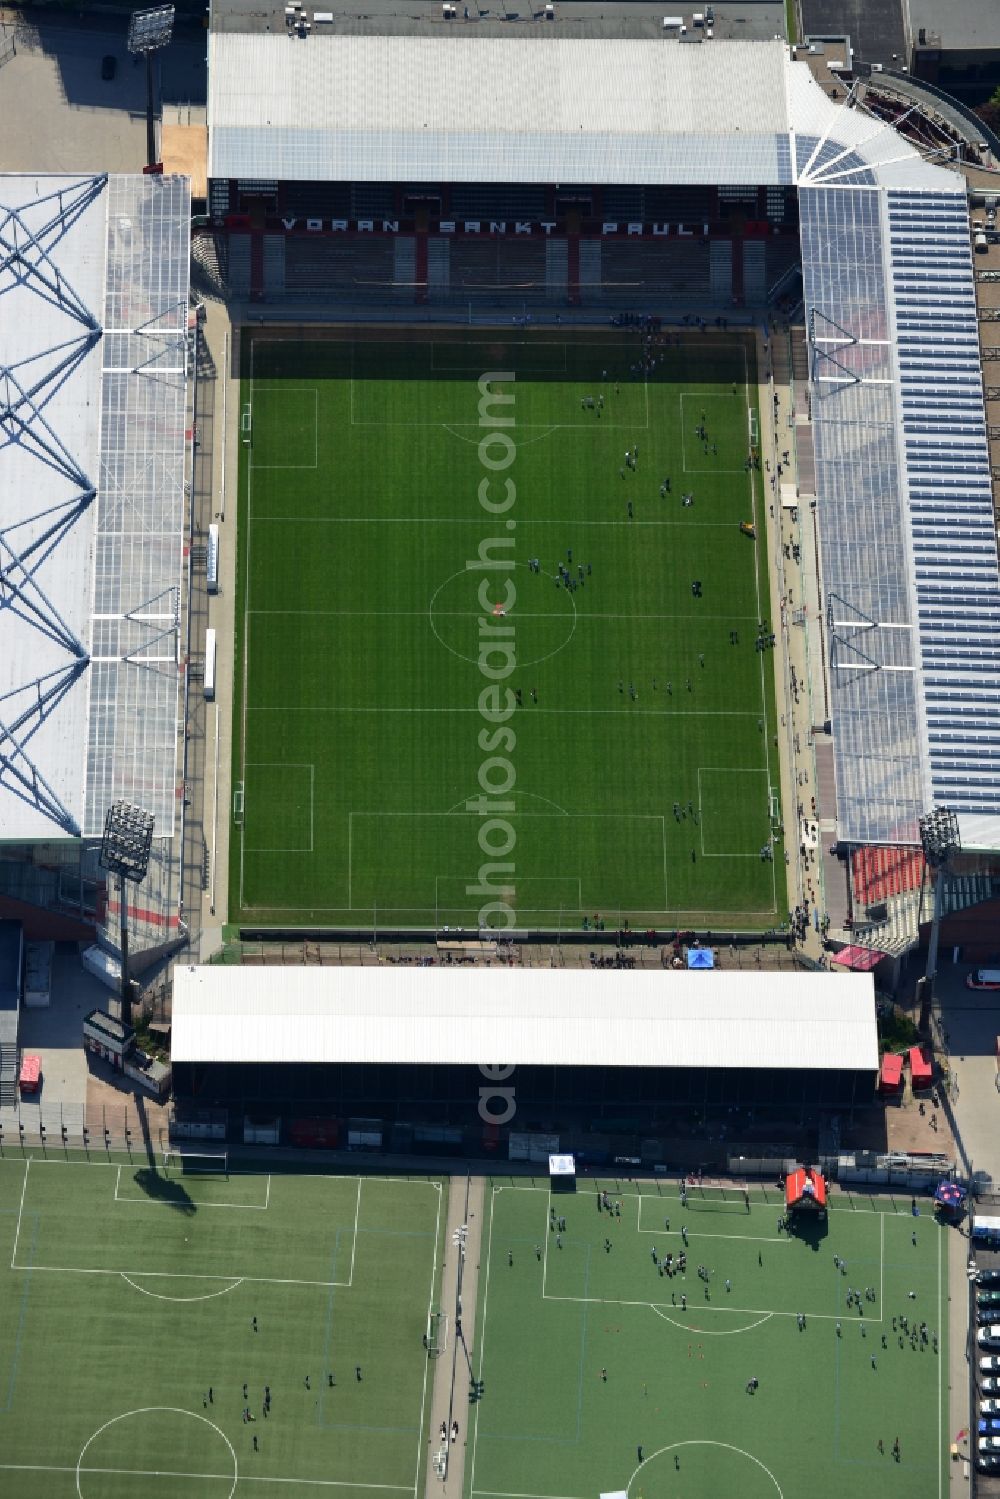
x: 740, y: 770
x: 315, y: 430
x: 277, y: 765
x: 249, y: 1207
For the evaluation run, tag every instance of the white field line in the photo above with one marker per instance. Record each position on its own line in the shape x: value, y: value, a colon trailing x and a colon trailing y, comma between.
x: 427, y: 1362
x: 330, y: 1483
x: 20, y: 1210
x: 354, y: 1241
x: 482, y: 1331
x: 464, y: 520
x: 756, y: 574
x: 315, y: 462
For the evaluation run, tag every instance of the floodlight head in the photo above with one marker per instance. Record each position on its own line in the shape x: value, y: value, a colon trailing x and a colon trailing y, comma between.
x: 939, y: 836
x: 127, y: 840
x: 149, y: 30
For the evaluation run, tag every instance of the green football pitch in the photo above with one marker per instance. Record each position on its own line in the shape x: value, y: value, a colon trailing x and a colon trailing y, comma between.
x: 586, y: 1352
x: 129, y: 1348
x: 635, y: 771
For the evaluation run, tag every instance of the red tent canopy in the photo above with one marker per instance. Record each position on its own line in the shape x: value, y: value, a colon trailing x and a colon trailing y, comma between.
x: 891, y: 1076
x: 31, y: 1072
x: 858, y: 959
x: 921, y: 1072
x: 805, y: 1188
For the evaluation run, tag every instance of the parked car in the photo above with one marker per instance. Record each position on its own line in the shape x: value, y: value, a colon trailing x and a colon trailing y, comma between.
x: 988, y: 1298
x: 983, y: 978
x: 989, y: 1407
x: 988, y: 1278
x: 988, y: 1462
x: 989, y: 1336
x: 989, y: 1444
x: 990, y: 1385
x: 988, y: 1427
x: 989, y: 1364
x: 109, y: 66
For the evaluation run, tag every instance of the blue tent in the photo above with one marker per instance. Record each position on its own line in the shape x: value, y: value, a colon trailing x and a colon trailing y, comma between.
x: 701, y: 957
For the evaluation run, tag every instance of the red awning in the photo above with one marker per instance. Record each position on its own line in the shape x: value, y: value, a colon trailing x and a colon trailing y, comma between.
x: 892, y: 1070
x: 921, y: 1072
x: 858, y: 959
x: 805, y: 1189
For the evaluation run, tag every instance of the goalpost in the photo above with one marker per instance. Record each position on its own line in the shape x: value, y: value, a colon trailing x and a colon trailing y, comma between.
x: 729, y: 1196
x: 196, y: 1162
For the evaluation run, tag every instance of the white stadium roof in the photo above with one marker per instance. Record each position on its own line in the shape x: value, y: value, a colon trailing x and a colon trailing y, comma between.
x: 904, y: 503
x: 530, y: 109
x: 528, y: 1017
x: 93, y: 318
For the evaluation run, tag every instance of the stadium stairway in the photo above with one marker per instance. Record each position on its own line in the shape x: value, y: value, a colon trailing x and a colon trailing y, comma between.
x: 8, y: 1075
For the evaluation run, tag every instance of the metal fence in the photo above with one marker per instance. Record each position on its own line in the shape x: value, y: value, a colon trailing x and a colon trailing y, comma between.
x: 130, y: 1126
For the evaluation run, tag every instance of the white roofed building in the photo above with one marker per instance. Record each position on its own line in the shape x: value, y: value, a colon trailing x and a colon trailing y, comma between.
x: 94, y: 279
x: 578, y: 1048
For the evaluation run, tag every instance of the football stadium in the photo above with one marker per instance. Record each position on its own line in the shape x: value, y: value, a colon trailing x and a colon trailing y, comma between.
x: 609, y: 541
x: 555, y: 436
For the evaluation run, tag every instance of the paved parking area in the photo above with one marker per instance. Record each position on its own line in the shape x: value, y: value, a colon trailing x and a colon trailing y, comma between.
x: 971, y: 1024
x: 57, y: 114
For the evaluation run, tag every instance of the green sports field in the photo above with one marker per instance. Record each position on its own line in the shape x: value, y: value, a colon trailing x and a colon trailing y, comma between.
x: 586, y: 1353
x: 634, y: 768
x: 127, y: 1295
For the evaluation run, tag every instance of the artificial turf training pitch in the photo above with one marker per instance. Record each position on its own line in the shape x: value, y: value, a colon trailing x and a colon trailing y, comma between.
x: 586, y: 1353
x: 129, y: 1351
x: 637, y: 774
x: 127, y: 1333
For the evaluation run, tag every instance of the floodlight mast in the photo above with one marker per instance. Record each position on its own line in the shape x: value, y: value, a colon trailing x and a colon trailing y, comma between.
x: 125, y: 850
x: 939, y: 839
x: 150, y: 31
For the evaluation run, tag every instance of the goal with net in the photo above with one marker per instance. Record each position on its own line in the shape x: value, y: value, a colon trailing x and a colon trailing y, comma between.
x: 728, y: 1196
x: 196, y: 1162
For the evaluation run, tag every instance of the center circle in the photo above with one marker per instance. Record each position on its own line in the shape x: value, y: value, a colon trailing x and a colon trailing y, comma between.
x: 142, y: 1443
x: 680, y: 1451
x: 436, y: 614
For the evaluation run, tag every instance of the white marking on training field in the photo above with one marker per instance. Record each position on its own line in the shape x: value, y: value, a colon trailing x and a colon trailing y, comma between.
x: 155, y: 1410
x: 20, y: 1210
x: 354, y: 1239
x: 325, y: 1483
x: 143, y: 1199
x: 711, y: 1332
x: 705, y: 1442
x: 159, y: 1296
x: 427, y: 1361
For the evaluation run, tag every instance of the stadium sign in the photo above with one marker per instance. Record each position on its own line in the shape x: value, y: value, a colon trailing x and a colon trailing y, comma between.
x: 496, y: 228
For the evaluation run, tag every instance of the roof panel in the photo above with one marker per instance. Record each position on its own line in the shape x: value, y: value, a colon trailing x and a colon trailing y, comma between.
x: 93, y: 307
x: 525, y: 1017
x: 539, y: 109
